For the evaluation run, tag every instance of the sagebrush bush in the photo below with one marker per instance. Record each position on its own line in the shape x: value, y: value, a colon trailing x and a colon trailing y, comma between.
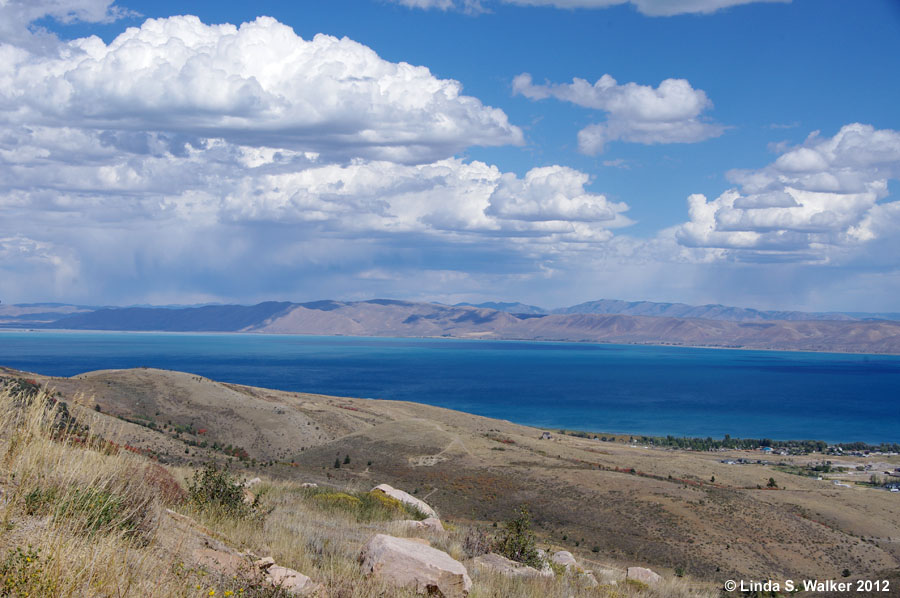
x: 217, y: 489
x: 517, y: 542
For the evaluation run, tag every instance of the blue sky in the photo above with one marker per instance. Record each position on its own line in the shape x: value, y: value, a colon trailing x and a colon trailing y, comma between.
x: 724, y: 151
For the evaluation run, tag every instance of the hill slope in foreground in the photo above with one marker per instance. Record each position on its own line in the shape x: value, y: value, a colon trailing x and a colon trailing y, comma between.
x: 610, y: 503
x: 408, y: 319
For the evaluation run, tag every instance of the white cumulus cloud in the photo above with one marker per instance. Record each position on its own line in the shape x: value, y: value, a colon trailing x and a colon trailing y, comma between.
x: 670, y: 113
x: 553, y: 193
x: 257, y: 84
x: 814, y: 200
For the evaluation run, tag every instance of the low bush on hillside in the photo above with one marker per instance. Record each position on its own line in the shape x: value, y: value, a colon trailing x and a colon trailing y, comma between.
x: 217, y: 489
x: 517, y: 542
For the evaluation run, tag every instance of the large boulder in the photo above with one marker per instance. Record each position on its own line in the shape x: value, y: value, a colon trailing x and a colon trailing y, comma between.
x: 497, y: 563
x: 643, y: 575
x: 409, y: 564
x: 406, y: 498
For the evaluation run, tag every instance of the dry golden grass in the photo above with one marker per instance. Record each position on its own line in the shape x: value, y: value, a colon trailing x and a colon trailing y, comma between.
x: 83, y: 519
x: 79, y: 517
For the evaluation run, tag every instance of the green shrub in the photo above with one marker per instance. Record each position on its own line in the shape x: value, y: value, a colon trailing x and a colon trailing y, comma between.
x: 517, y: 542
x: 217, y: 489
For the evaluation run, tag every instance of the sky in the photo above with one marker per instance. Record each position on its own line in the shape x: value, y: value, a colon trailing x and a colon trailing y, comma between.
x: 743, y: 152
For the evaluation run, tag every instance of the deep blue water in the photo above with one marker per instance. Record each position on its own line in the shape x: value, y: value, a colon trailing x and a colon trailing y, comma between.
x: 639, y: 390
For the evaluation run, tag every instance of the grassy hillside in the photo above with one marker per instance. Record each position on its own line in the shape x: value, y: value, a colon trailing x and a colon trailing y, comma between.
x: 82, y: 515
x: 611, y: 504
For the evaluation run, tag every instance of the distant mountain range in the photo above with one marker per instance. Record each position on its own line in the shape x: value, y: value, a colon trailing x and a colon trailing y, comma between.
x: 683, y: 310
x: 597, y: 321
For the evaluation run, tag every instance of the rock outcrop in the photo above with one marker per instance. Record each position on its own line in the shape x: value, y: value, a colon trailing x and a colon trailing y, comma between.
x: 643, y: 575
x: 406, y: 498
x: 498, y: 563
x: 409, y: 564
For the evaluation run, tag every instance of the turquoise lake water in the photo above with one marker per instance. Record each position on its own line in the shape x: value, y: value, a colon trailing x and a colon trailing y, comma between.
x: 640, y: 390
